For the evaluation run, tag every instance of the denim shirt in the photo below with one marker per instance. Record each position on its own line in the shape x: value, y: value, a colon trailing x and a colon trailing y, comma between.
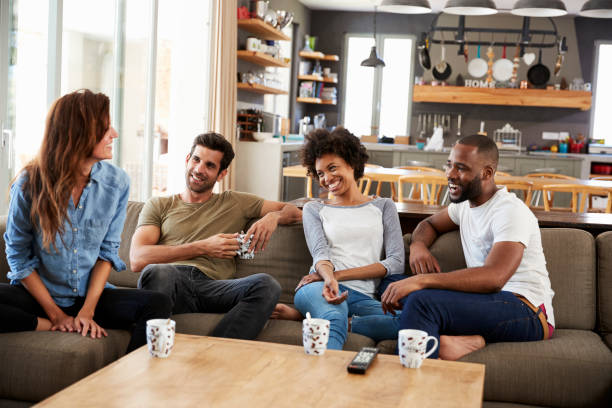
x: 93, y: 233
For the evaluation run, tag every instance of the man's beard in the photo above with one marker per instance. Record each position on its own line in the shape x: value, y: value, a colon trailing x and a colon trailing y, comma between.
x: 205, y: 186
x: 469, y: 191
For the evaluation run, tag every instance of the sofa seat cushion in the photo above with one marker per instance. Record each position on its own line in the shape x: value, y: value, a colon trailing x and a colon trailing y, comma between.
x: 36, y: 365
x: 275, y: 331
x: 573, y: 369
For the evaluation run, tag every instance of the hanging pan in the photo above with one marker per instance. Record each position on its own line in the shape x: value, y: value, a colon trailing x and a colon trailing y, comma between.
x: 539, y: 74
x: 502, y: 68
x: 442, y: 70
x: 424, y: 55
x: 477, y: 67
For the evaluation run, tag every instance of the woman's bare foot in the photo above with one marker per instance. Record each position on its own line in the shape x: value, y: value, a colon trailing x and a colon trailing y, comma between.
x: 43, y: 324
x: 454, y: 347
x: 285, y: 312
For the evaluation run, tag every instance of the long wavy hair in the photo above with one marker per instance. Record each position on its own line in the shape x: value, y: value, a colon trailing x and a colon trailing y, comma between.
x: 75, y: 123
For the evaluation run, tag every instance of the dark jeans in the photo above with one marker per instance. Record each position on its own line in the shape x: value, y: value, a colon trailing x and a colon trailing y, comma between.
x: 247, y: 302
x: 495, y: 316
x: 127, y: 309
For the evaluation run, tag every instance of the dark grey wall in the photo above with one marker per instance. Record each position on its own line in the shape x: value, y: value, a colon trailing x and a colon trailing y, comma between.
x: 331, y: 27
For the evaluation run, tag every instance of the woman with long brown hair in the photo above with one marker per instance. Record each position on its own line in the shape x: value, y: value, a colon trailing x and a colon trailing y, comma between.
x: 66, y: 214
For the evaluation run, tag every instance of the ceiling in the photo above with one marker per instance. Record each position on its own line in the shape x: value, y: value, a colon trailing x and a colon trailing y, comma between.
x: 573, y: 6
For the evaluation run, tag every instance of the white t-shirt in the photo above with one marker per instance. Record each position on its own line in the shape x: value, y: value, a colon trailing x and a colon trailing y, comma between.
x: 506, y: 218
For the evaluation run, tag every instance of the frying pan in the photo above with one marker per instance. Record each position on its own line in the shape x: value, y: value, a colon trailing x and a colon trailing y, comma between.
x: 442, y: 70
x: 424, y: 56
x: 477, y: 67
x: 502, y: 68
x: 539, y: 74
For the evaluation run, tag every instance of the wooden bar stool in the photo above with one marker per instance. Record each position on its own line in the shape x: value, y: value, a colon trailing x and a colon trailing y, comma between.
x: 431, y: 187
x: 575, y: 190
x: 521, y: 185
x: 549, y: 173
x: 415, y: 189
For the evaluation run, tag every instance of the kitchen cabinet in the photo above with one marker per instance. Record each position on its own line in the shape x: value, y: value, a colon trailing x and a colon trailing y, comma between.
x: 503, y: 96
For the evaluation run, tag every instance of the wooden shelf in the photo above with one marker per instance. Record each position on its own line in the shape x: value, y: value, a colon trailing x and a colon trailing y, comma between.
x: 318, y: 56
x: 261, y: 58
x: 262, y: 30
x: 260, y: 89
x: 317, y: 78
x: 317, y: 101
x: 503, y: 96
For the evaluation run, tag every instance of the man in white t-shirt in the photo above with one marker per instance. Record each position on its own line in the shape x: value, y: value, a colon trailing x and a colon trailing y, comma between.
x: 504, y: 294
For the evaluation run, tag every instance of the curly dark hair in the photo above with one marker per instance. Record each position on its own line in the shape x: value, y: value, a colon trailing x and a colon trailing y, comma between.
x: 340, y: 142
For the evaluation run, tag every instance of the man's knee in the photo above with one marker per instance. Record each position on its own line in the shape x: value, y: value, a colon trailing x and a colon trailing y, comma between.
x: 417, y: 301
x: 155, y: 277
x: 266, y: 286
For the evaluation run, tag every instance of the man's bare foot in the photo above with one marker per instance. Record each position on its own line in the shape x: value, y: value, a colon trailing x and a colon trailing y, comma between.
x: 285, y: 312
x: 454, y: 347
x: 43, y: 324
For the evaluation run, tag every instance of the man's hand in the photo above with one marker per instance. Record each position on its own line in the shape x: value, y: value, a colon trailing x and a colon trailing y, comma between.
x: 311, y: 277
x: 421, y: 260
x: 397, y: 291
x: 262, y: 231
x: 84, y: 323
x: 331, y: 292
x: 222, y: 246
x: 63, y: 322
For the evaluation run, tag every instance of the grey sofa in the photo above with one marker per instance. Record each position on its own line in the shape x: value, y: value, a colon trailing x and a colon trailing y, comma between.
x: 572, y: 369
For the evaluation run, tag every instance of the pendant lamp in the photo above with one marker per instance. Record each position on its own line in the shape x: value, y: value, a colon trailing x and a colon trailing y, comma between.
x: 373, y: 60
x: 406, y: 6
x: 470, y: 7
x: 539, y: 8
x: 597, y: 9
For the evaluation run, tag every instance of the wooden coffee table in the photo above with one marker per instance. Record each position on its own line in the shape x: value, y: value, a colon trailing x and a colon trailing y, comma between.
x: 215, y: 372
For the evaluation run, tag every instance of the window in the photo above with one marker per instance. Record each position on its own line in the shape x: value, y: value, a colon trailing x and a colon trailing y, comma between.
x: 377, y: 100
x: 603, y: 93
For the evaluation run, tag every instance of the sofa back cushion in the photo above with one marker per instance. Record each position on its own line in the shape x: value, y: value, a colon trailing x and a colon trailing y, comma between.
x: 570, y: 259
x: 604, y: 285
x: 127, y: 278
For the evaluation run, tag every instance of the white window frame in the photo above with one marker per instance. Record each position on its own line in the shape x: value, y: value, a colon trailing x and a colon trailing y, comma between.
x: 596, y: 70
x: 378, y: 77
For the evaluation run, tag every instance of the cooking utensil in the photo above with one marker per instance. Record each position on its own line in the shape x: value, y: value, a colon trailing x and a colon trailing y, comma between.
x: 539, y: 74
x: 502, y: 68
x: 560, y: 56
x: 459, y: 125
x: 424, y: 55
x: 442, y: 70
x: 528, y: 58
x: 259, y: 9
x: 490, y: 55
x: 515, y: 64
x: 465, y: 53
x: 477, y: 67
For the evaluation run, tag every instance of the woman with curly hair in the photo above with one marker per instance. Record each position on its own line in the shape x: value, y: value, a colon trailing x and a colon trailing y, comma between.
x: 63, y: 231
x: 354, y: 240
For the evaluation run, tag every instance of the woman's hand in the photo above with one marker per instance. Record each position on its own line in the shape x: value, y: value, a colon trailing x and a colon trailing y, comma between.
x: 63, y: 322
x: 85, y: 323
x: 311, y: 277
x: 331, y: 292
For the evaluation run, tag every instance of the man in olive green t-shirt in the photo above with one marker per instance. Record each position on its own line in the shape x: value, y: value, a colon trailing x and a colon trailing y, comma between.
x: 185, y: 244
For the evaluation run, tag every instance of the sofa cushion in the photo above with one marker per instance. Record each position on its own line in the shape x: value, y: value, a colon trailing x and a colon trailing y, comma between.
x: 570, y: 260
x: 127, y: 278
x: 604, y: 285
x: 38, y: 364
x: 286, y: 258
x: 573, y: 369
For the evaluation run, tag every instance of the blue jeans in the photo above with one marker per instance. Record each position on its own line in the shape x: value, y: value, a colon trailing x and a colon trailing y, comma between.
x: 365, y: 311
x: 247, y: 302
x: 127, y: 309
x: 497, y: 317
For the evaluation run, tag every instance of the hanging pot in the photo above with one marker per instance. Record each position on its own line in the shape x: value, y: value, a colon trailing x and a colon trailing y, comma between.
x: 424, y: 56
x: 442, y: 70
x: 477, y: 67
x: 539, y: 74
x: 502, y: 68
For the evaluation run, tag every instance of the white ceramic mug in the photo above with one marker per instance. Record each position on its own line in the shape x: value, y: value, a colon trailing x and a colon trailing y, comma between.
x: 253, y: 44
x: 412, y: 347
x: 160, y: 336
x: 315, y: 334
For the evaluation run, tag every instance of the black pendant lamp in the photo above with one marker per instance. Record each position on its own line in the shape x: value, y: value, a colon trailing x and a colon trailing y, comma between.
x: 539, y: 8
x: 406, y: 6
x: 470, y: 7
x: 597, y: 9
x: 373, y: 60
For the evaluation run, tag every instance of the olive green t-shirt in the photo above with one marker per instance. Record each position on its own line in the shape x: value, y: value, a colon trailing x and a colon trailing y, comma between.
x: 182, y: 223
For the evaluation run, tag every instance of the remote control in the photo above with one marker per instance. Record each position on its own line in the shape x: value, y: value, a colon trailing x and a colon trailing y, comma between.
x: 362, y: 360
